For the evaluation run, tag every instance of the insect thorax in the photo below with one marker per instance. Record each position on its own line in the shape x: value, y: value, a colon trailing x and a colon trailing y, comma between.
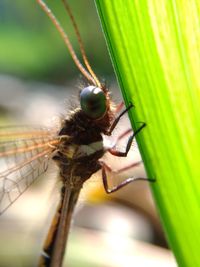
x: 78, y: 155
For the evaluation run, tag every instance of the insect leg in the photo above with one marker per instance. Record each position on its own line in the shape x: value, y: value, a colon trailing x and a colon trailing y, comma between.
x: 117, y: 119
x: 105, y: 168
x: 117, y: 153
x: 119, y: 107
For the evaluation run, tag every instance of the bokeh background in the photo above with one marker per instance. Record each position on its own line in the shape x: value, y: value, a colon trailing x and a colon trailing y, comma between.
x: 38, y: 84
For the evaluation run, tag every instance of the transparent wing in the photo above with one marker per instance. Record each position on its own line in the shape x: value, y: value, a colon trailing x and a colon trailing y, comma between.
x: 24, y: 155
x: 21, y: 132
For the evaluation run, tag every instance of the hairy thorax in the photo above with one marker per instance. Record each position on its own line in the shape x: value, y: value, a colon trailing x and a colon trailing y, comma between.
x: 80, y: 149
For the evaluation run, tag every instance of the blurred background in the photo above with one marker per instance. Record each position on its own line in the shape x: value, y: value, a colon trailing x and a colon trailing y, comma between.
x: 39, y: 83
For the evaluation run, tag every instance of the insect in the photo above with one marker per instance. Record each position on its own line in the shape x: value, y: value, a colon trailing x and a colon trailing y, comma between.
x: 77, y: 148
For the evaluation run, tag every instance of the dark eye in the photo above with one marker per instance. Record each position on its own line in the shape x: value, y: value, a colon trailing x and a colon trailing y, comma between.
x: 93, y: 102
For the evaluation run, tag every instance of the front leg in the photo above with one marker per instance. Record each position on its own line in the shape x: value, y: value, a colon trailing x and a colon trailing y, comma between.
x: 115, y: 122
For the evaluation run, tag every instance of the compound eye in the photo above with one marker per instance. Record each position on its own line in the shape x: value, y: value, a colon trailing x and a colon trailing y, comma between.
x: 93, y: 102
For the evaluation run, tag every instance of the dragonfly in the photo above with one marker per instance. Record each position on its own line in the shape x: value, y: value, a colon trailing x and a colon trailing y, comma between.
x: 77, y: 148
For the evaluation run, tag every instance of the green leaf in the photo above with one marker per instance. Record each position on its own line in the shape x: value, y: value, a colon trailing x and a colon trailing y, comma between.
x: 155, y: 49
